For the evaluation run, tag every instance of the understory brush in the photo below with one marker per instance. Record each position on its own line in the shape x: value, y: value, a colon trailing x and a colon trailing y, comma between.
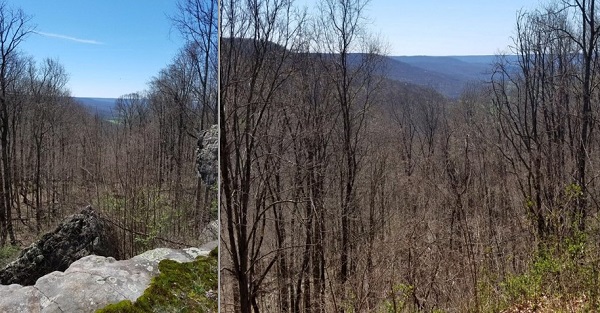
x: 562, y: 277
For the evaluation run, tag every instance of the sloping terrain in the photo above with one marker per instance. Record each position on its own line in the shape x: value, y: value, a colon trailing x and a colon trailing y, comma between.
x: 448, y: 75
x: 101, y: 106
x: 461, y: 67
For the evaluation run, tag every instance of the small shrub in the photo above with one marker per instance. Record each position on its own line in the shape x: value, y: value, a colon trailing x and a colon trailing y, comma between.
x: 397, y: 298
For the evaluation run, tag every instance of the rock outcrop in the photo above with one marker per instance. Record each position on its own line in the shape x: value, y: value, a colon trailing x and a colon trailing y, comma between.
x: 78, y: 236
x: 210, y: 232
x: 206, y: 155
x: 93, y: 282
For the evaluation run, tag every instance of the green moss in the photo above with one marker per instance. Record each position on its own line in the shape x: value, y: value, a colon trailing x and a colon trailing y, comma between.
x: 123, y: 306
x: 180, y: 287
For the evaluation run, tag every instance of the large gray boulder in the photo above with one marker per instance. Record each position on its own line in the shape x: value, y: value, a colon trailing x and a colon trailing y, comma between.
x: 93, y: 282
x: 206, y: 155
x: 77, y: 236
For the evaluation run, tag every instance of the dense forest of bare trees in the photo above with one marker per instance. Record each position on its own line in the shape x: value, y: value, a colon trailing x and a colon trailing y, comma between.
x: 343, y: 191
x: 136, y: 167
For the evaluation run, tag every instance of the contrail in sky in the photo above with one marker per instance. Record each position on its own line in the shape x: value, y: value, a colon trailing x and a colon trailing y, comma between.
x: 93, y: 42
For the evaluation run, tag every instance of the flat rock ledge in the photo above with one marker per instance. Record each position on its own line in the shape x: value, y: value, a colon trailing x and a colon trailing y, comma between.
x: 93, y: 282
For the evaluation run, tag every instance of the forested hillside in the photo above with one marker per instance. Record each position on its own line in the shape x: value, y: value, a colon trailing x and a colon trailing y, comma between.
x: 137, y: 168
x: 345, y: 191
x: 447, y: 75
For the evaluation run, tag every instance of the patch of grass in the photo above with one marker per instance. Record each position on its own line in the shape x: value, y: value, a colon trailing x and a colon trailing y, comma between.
x: 8, y: 254
x: 180, y: 287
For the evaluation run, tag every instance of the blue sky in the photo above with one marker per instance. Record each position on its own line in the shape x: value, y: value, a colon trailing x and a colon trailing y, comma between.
x: 445, y: 27
x: 114, y: 47
x: 108, y: 47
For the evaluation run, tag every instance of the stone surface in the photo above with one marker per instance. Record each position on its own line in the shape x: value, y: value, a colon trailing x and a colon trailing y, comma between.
x: 210, y: 232
x: 93, y: 282
x: 206, y: 156
x: 77, y: 236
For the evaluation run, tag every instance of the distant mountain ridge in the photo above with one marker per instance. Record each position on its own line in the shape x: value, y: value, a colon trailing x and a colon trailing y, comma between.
x: 104, y: 107
x: 448, y: 75
x: 449, y: 65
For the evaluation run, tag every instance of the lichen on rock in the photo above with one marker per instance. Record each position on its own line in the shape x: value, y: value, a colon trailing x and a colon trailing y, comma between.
x: 77, y: 236
x: 206, y: 155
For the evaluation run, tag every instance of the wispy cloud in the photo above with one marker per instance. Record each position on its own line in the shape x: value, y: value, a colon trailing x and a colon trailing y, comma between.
x: 88, y: 41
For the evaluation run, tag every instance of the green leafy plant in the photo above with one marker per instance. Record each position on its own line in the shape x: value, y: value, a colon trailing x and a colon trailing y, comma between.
x: 396, y: 301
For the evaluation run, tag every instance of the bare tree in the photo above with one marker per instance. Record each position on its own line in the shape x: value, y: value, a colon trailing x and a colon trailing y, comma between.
x: 540, y: 117
x: 14, y: 28
x: 47, y: 94
x: 352, y: 68
x: 256, y: 39
x: 587, y: 42
x: 197, y: 21
x: 176, y: 85
x: 132, y: 110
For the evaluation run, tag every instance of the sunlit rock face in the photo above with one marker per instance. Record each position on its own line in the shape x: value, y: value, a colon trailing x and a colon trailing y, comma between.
x: 206, y: 156
x: 93, y: 282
